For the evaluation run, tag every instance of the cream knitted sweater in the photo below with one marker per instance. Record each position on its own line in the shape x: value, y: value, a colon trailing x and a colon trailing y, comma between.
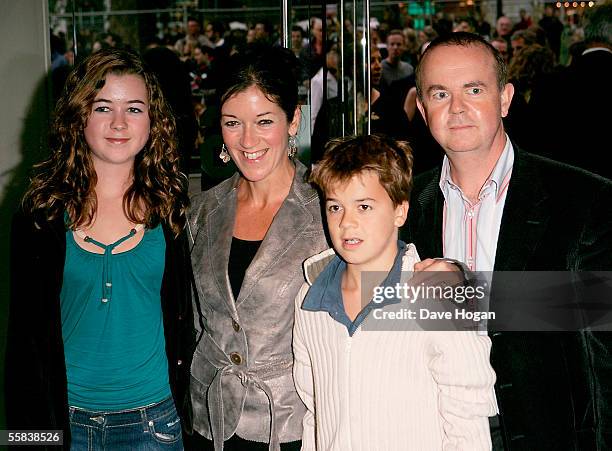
x: 390, y: 390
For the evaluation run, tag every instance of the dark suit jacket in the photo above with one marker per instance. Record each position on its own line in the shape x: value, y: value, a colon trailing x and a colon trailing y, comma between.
x: 554, y: 389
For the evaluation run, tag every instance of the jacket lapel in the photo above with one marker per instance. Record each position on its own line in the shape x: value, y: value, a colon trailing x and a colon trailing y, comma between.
x: 220, y: 231
x: 428, y: 234
x: 526, y: 215
x: 217, y: 240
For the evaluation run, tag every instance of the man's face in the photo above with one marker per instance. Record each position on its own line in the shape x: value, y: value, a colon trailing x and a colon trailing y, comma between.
x: 317, y: 30
x: 296, y: 39
x: 375, y: 67
x: 504, y: 26
x: 463, y: 26
x: 260, y: 31
x: 331, y: 60
x: 250, y: 37
x: 193, y: 28
x: 462, y: 104
x: 210, y: 31
x: 200, y: 57
x: 395, y: 46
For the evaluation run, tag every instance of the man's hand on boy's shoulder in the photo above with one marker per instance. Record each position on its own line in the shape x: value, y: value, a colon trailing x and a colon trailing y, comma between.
x: 438, y: 272
x: 436, y: 264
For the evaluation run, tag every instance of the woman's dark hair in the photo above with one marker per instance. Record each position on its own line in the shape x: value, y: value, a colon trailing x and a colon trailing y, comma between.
x: 530, y: 66
x: 66, y: 181
x: 274, y: 70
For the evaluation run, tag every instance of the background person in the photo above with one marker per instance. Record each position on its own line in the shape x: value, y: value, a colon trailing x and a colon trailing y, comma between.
x: 584, y: 141
x: 393, y: 68
x: 184, y: 46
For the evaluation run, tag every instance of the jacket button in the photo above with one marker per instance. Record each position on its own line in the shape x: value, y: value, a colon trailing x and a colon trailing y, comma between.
x: 235, y: 325
x: 235, y: 358
x: 180, y: 317
x: 179, y: 362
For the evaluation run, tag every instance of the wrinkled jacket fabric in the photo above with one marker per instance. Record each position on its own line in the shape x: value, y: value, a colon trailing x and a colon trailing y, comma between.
x: 36, y: 389
x: 242, y: 367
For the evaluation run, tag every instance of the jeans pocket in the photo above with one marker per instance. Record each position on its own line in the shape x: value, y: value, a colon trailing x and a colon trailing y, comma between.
x: 166, y: 429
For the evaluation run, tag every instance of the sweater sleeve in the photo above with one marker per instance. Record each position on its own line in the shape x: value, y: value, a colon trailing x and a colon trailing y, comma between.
x: 459, y: 363
x: 302, y: 373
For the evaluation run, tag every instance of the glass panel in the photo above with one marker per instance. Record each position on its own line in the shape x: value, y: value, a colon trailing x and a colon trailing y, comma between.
x: 331, y: 39
x: 338, y: 75
x: 335, y: 89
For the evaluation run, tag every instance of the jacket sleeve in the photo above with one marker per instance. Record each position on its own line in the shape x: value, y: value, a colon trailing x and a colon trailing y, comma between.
x: 594, y: 253
x: 459, y: 363
x: 18, y: 364
x: 34, y: 400
x: 594, y: 245
x: 302, y: 373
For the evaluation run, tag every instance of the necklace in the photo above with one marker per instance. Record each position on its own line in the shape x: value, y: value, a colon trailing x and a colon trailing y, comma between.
x: 137, y: 228
x: 107, y: 282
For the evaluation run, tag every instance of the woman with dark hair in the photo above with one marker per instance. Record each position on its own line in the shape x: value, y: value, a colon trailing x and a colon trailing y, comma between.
x: 101, y: 328
x: 250, y: 235
x: 531, y: 69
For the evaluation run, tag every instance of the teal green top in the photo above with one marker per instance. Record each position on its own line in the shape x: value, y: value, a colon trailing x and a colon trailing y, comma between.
x: 112, y: 324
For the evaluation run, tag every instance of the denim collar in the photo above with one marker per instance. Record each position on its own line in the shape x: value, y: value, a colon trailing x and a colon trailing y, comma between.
x: 325, y: 294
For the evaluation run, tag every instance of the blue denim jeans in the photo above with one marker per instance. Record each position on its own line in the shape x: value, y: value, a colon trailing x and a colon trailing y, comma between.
x: 155, y: 427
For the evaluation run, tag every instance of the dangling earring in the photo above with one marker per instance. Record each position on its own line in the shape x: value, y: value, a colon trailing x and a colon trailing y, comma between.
x: 224, y: 155
x: 292, y: 144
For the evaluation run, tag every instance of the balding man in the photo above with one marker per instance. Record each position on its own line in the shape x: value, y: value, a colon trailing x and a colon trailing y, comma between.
x: 496, y: 207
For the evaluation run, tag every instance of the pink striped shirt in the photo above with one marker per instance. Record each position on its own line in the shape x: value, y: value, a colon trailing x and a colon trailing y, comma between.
x: 470, y: 231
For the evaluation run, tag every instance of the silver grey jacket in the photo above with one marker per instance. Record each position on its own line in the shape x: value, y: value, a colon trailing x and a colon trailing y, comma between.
x: 242, y: 366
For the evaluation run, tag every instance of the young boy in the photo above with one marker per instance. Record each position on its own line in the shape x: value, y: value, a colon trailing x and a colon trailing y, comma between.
x: 379, y: 390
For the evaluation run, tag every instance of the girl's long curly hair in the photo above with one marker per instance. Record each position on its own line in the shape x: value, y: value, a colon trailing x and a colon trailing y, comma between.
x: 66, y: 181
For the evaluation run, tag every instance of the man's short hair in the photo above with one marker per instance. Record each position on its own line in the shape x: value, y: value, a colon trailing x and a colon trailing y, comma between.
x: 346, y: 157
x: 396, y: 33
x: 463, y: 39
x: 298, y: 29
x: 598, y: 27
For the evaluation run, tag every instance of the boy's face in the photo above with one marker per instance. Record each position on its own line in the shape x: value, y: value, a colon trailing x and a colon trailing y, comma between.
x: 363, y: 222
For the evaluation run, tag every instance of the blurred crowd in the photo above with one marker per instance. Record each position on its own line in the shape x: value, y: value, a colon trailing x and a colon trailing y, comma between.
x: 543, y: 54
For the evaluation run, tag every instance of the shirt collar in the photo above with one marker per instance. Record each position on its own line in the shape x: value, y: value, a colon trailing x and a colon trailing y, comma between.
x: 325, y: 294
x: 596, y: 49
x: 500, y: 173
x: 503, y: 167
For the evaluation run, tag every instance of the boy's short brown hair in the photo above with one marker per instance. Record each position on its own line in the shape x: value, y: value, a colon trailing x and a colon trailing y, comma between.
x: 345, y: 157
